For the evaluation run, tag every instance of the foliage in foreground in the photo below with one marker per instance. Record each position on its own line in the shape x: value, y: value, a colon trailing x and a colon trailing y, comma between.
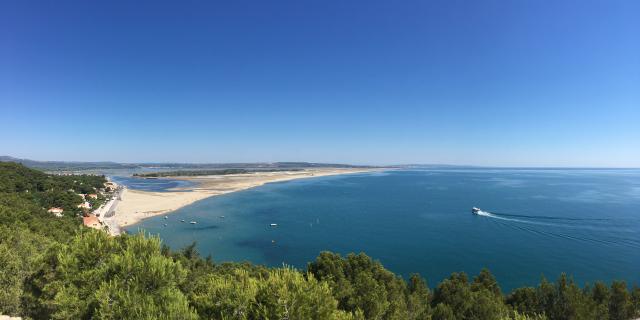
x: 50, y: 268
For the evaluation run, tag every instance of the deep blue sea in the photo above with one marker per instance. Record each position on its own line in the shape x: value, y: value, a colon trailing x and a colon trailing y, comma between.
x: 534, y: 222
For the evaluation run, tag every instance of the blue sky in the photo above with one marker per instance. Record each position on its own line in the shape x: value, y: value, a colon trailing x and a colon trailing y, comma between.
x: 515, y: 83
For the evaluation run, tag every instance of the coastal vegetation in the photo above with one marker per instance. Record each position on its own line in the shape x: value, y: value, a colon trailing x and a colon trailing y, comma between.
x: 52, y: 268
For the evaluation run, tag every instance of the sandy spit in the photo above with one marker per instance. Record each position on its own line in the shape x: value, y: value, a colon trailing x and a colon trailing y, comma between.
x: 138, y: 205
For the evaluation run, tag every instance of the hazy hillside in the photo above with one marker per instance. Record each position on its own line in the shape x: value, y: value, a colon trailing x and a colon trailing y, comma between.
x: 78, y: 165
x: 66, y: 165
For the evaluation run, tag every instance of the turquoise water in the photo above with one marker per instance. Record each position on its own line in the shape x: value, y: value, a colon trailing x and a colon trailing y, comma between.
x: 582, y: 222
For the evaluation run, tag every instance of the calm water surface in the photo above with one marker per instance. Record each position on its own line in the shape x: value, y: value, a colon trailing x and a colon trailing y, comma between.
x: 535, y: 222
x: 154, y: 185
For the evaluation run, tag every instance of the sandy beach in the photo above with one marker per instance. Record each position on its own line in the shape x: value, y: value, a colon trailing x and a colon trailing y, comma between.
x: 138, y: 205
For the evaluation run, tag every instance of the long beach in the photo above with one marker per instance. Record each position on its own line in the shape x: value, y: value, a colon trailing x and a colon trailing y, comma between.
x: 137, y: 205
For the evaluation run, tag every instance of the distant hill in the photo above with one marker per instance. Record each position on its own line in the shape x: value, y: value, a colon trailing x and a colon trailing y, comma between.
x: 78, y: 165
x: 66, y: 165
x: 249, y: 165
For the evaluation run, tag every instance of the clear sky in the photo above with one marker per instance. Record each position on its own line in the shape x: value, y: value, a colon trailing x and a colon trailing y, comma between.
x: 517, y: 83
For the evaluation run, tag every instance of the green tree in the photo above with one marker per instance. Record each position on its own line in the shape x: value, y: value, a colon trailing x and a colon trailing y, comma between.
x: 485, y: 280
x: 525, y: 300
x: 635, y: 300
x: 419, y: 298
x: 455, y: 293
x: 479, y: 300
x: 360, y: 283
x: 232, y: 296
x: 96, y: 276
x: 568, y: 302
x: 20, y: 253
x: 620, y: 305
x: 443, y: 312
x: 600, y: 295
x: 284, y: 294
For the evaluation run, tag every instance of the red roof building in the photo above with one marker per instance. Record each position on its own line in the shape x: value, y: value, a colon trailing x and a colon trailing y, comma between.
x: 92, y: 221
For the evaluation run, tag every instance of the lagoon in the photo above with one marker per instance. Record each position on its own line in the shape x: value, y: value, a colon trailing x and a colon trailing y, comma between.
x: 151, y: 184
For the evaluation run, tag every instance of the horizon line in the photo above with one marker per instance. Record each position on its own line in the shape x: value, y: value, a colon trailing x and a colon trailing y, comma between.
x: 15, y: 159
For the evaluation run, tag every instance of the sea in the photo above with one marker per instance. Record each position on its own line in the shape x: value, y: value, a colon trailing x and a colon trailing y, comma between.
x: 533, y: 223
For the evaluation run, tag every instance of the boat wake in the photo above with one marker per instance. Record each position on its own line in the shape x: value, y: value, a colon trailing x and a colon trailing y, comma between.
x: 495, y: 216
x: 544, y: 217
x: 539, y: 220
x: 528, y: 219
x: 605, y: 240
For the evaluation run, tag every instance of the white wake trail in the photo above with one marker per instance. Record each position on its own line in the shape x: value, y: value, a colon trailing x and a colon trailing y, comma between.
x: 495, y: 216
x: 491, y: 215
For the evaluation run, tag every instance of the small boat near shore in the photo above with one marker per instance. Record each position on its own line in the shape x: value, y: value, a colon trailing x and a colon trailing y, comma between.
x: 193, y: 222
x: 273, y: 224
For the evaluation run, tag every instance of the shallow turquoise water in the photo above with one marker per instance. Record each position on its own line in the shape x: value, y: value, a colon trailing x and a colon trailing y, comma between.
x: 583, y: 222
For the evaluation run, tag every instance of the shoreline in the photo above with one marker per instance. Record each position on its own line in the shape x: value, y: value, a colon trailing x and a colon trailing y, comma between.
x: 137, y: 205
